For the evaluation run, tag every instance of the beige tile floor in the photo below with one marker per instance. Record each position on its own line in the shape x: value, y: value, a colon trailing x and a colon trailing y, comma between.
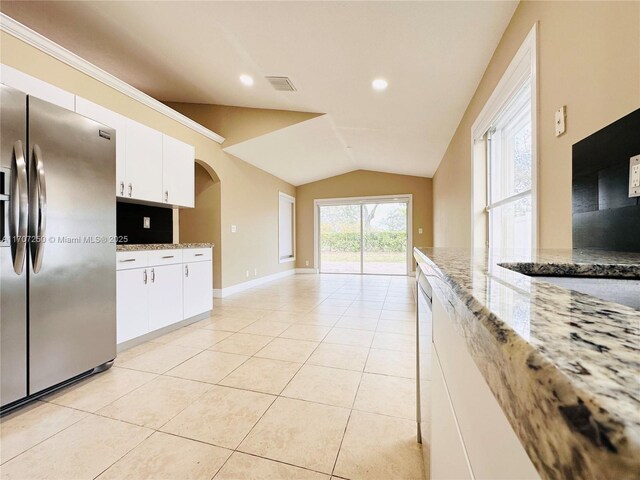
x: 310, y: 377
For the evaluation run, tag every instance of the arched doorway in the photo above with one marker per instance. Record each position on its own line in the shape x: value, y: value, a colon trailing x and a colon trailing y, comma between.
x: 202, y: 224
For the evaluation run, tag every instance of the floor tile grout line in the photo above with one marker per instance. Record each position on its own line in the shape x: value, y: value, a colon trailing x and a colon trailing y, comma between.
x: 306, y: 362
x: 126, y: 453
x: 282, y: 462
x: 50, y: 436
x: 344, y: 434
x: 156, y: 375
x: 281, y: 396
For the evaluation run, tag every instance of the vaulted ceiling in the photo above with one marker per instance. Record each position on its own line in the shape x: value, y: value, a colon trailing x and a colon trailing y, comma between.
x: 432, y: 54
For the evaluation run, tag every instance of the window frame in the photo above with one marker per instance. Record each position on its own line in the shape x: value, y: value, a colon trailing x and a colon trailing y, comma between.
x: 292, y: 201
x: 523, y: 66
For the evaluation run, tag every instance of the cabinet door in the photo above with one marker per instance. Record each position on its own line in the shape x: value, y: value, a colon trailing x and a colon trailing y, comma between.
x: 36, y: 87
x: 178, y: 172
x: 478, y: 414
x: 116, y: 121
x: 165, y: 296
x: 143, y: 163
x: 198, y: 288
x: 448, y: 456
x: 132, y: 304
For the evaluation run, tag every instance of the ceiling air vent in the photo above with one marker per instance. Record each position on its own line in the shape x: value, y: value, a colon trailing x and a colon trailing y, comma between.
x: 282, y: 84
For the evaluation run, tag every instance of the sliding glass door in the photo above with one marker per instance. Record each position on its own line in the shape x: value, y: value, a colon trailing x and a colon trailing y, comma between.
x: 384, y: 230
x: 370, y: 236
x: 340, y: 239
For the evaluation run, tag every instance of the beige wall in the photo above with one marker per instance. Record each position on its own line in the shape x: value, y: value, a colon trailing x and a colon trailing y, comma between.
x: 202, y: 223
x: 362, y: 183
x: 249, y: 196
x: 588, y: 60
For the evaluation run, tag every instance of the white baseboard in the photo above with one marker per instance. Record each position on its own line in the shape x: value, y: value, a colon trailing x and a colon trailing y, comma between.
x: 306, y: 270
x: 241, y: 287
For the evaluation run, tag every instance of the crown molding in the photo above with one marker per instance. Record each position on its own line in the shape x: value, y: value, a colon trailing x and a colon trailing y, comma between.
x: 24, y: 33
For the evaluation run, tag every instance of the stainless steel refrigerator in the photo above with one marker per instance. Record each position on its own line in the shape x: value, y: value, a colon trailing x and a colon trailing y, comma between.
x: 57, y: 257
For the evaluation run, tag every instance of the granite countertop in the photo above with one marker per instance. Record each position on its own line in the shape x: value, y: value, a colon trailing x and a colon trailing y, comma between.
x: 160, y: 246
x: 564, y: 366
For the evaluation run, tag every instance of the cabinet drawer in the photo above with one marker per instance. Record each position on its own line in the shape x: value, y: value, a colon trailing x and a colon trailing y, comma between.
x: 165, y: 257
x: 196, y: 255
x: 128, y: 260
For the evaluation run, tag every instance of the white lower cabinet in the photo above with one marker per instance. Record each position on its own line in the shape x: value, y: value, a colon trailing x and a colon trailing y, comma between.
x: 155, y: 289
x: 198, y: 288
x: 448, y: 456
x: 165, y: 296
x: 132, y: 304
x: 471, y: 436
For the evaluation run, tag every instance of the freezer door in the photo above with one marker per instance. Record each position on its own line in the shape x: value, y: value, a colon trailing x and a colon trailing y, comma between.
x: 13, y: 274
x: 72, y: 276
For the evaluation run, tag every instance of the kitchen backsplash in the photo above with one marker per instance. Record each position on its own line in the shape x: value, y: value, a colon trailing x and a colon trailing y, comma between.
x: 604, y: 216
x: 130, y: 223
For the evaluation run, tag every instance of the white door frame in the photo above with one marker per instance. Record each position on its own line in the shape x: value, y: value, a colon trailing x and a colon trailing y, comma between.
x: 405, y: 197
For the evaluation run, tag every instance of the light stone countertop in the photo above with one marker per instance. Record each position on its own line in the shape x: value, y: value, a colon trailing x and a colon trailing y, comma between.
x: 564, y: 366
x: 160, y: 246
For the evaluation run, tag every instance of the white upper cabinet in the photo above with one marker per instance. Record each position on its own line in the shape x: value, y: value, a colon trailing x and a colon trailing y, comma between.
x: 119, y: 123
x: 36, y: 87
x: 178, y: 172
x: 150, y: 166
x: 143, y: 170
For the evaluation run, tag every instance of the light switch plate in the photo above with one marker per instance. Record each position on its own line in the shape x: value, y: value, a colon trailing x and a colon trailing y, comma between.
x: 634, y: 176
x: 420, y: 231
x: 561, y: 114
x: 234, y: 229
x: 146, y: 222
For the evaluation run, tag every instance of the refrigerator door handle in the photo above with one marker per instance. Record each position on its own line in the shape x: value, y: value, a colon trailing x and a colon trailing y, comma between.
x: 19, y: 214
x: 37, y: 208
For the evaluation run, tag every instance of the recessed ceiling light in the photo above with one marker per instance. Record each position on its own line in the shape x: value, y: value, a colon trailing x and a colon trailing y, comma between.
x: 246, y: 80
x: 379, y: 84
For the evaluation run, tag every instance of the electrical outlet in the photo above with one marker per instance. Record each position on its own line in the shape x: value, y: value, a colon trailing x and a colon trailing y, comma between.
x: 634, y: 176
x: 247, y: 273
x: 255, y: 272
x: 420, y: 230
x: 146, y: 222
x: 306, y: 263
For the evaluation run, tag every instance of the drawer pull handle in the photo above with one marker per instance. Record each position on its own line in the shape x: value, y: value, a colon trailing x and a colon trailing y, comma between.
x: 168, y: 256
x: 199, y: 254
x: 127, y: 260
